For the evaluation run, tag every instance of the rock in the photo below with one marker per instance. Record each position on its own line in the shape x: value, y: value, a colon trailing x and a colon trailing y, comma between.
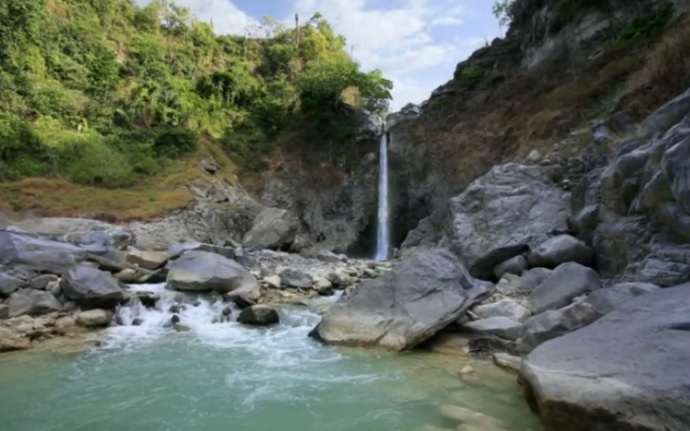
x: 9, y: 284
x: 469, y: 417
x: 561, y: 249
x: 516, y: 265
x: 201, y: 271
x: 273, y: 281
x: 42, y: 281
x: 147, y: 259
x: 11, y: 341
x: 296, y: 278
x: 627, y: 370
x: 91, y: 288
x: 37, y: 253
x: 513, y: 285
x: 467, y: 370
x: 65, y: 323
x: 666, y: 116
x: 323, y: 286
x: 675, y: 166
x: 404, y: 307
x: 533, y: 157
x: 566, y: 282
x: 450, y: 344
x: 503, y: 308
x: 330, y: 257
x: 148, y: 299
x: 511, y: 205
x: 258, y: 315
x: 502, y: 327
x: 32, y: 302
x: 227, y: 311
x: 507, y: 361
x: 4, y: 311
x: 54, y: 288
x: 225, y: 251
x: 556, y: 323
x: 484, y: 267
x: 180, y: 327
x: 137, y: 321
x: 95, y: 318
x: 274, y: 229
x: 127, y: 275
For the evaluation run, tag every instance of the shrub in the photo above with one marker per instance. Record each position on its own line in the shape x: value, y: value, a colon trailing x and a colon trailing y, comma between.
x: 175, y: 142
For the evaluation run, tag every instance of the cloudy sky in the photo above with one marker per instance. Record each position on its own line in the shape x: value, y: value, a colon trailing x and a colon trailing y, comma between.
x: 416, y: 43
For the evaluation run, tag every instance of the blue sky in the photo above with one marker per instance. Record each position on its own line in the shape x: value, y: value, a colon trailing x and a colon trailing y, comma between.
x: 416, y: 43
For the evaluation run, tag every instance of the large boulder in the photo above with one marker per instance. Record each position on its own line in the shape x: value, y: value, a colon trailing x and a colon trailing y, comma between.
x: 32, y: 302
x: 147, y: 259
x: 95, y: 318
x: 561, y: 249
x: 201, y: 271
x: 555, y: 323
x: 626, y: 371
x: 9, y: 284
x: 91, y: 288
x: 484, y: 268
x: 567, y: 282
x: 404, y: 307
x: 17, y: 248
x: 273, y: 228
x: 258, y: 315
x: 511, y: 205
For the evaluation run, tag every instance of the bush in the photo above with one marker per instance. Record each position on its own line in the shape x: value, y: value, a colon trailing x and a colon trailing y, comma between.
x: 175, y: 142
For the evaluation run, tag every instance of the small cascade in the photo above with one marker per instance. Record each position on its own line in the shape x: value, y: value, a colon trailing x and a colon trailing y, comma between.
x: 383, y: 221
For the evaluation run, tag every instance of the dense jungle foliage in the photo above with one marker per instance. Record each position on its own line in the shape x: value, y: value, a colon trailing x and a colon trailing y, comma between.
x: 105, y: 92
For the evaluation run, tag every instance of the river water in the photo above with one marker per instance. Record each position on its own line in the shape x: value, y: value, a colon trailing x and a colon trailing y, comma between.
x: 229, y: 377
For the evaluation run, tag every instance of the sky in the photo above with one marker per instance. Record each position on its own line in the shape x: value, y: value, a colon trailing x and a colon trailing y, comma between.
x: 415, y: 43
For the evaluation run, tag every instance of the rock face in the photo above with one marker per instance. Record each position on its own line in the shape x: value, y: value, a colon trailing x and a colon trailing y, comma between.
x: 258, y: 315
x: 32, y: 302
x: 627, y: 371
x: 513, y: 204
x: 201, y: 271
x: 561, y: 249
x: 91, y: 288
x: 562, y: 286
x: 401, y: 309
x: 273, y: 228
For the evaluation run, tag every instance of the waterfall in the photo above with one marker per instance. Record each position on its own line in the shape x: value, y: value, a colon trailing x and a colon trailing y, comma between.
x: 383, y: 221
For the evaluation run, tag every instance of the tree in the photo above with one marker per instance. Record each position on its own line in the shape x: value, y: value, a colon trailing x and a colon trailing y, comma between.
x: 502, y: 11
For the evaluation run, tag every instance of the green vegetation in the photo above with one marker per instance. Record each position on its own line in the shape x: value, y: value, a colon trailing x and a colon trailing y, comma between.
x: 647, y: 25
x: 470, y: 76
x: 105, y: 92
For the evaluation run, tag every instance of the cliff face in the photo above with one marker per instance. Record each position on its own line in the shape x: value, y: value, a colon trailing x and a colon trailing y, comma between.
x: 562, y: 65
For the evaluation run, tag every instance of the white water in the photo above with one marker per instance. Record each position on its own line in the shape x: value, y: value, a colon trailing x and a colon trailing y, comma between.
x: 383, y: 222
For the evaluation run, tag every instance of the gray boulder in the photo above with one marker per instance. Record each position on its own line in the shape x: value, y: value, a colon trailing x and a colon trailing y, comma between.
x: 147, y: 259
x: 561, y: 249
x: 258, y: 315
x: 567, y: 282
x: 37, y: 253
x: 292, y: 277
x: 95, y: 318
x: 43, y: 281
x: 516, y: 265
x: 503, y: 327
x: 503, y: 308
x: 201, y: 271
x: 32, y: 302
x: 555, y: 323
x: 521, y: 285
x: 404, y: 307
x: 91, y: 288
x: 484, y: 267
x: 9, y: 284
x: 511, y: 205
x: 273, y: 228
x: 626, y: 371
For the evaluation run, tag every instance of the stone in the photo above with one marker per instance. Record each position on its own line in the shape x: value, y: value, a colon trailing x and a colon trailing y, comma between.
x: 467, y: 370
x: 147, y: 259
x: 401, y: 309
x: 504, y: 308
x: 273, y: 228
x: 511, y: 205
x: 4, y: 311
x: 627, y: 370
x: 32, y: 302
x: 502, y: 327
x: 484, y: 267
x: 201, y: 271
x: 137, y: 321
x: 567, y: 282
x: 666, y: 116
x: 273, y: 281
x: 507, y: 361
x: 555, y: 323
x: 65, y: 323
x: 122, y: 237
x: 127, y: 275
x: 42, y: 281
x: 330, y: 257
x: 533, y: 157
x: 675, y: 166
x: 514, y: 285
x: 95, y: 318
x: 516, y: 265
x: 469, y: 417
x: 91, y: 288
x: 180, y: 327
x: 9, y: 284
x: 450, y: 344
x: 291, y: 277
x: 148, y: 299
x: 323, y: 286
x: 37, y: 253
x: 258, y: 315
x: 11, y: 341
x: 561, y: 249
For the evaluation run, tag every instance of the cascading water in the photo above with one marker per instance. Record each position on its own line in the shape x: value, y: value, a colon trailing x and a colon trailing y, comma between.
x: 383, y: 221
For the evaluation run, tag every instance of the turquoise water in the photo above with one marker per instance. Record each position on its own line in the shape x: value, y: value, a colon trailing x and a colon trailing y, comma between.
x: 228, y: 377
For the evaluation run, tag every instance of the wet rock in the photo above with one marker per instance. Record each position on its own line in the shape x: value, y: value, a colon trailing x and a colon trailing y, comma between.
x: 42, y: 281
x: 95, y: 318
x: 666, y: 116
x: 514, y: 285
x: 148, y: 299
x: 502, y: 327
x: 295, y: 278
x: 507, y: 361
x: 628, y: 370
x: 273, y: 228
x: 323, y: 286
x: 9, y: 284
x: 227, y: 311
x: 404, y: 307
x: 516, y: 265
x: 32, y: 302
x: 65, y: 323
x: 201, y: 271
x: 566, y: 282
x: 561, y: 249
x: 147, y: 259
x: 137, y: 321
x: 180, y: 327
x: 91, y: 288
x: 175, y: 309
x: 258, y: 315
x: 504, y: 308
x: 273, y: 281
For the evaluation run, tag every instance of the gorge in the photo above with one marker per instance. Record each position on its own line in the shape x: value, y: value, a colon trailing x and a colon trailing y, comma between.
x: 511, y: 255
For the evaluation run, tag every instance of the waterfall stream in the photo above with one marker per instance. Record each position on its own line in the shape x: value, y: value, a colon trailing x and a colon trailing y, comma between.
x: 383, y: 220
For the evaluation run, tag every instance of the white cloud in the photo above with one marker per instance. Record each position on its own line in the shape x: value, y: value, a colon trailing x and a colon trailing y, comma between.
x: 226, y: 17
x: 447, y: 21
